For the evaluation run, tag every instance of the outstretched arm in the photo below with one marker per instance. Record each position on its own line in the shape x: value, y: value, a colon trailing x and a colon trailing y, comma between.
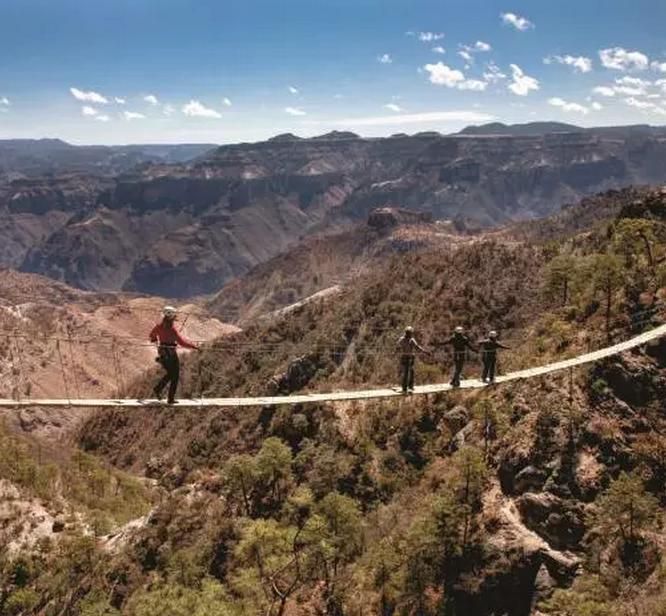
x: 443, y: 343
x: 184, y: 342
x: 419, y: 347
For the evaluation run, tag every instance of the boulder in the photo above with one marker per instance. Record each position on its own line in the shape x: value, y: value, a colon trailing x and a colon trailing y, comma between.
x: 462, y: 436
x: 629, y: 378
x: 544, y: 585
x: 530, y: 478
x: 456, y: 419
x: 295, y: 377
x: 560, y: 522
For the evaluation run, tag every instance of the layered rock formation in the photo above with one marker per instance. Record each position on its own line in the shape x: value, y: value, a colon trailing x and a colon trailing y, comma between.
x: 186, y: 229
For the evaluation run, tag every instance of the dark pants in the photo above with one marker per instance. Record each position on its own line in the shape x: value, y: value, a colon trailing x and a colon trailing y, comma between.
x: 407, y: 368
x: 168, y: 358
x: 489, y: 363
x: 458, y: 363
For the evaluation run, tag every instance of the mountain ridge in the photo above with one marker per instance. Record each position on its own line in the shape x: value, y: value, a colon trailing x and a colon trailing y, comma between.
x: 185, y: 229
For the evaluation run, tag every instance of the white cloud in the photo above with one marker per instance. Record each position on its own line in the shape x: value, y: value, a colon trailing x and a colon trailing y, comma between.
x: 87, y: 110
x: 168, y: 110
x: 119, y: 100
x: 151, y: 99
x: 467, y: 51
x: 661, y: 83
x: 619, y: 59
x: 631, y: 86
x: 293, y: 90
x: 89, y: 97
x: 473, y: 84
x: 493, y: 73
x: 133, y: 115
x: 629, y: 91
x: 645, y: 105
x: 466, y: 55
x: 385, y: 59
x: 394, y: 107
x: 481, y: 46
x: 295, y: 111
x: 634, y: 102
x: 226, y: 102
x: 4, y: 101
x: 418, y: 118
x: 604, y: 91
x: 521, y: 83
x: 439, y: 49
x: 195, y: 109
x: 102, y: 118
x: 429, y: 37
x: 442, y: 75
x: 597, y: 106
x: 660, y: 67
x: 566, y: 106
x: 633, y: 81
x: 519, y: 23
x: 580, y: 64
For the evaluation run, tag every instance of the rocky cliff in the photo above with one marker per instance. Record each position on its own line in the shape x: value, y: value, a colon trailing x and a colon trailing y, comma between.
x: 186, y: 229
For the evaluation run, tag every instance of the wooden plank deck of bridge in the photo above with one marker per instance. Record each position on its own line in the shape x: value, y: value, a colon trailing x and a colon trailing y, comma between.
x: 368, y: 394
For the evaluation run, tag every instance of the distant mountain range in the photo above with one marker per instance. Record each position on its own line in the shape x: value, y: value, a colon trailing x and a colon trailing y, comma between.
x: 126, y: 218
x: 35, y: 157
x: 545, y: 128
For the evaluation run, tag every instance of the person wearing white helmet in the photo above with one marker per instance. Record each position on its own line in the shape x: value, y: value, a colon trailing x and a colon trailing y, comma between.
x: 168, y: 339
x: 408, y: 346
x: 460, y: 343
x: 489, y: 346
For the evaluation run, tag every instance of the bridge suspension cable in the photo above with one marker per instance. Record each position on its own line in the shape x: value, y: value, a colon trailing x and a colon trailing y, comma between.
x: 370, y: 394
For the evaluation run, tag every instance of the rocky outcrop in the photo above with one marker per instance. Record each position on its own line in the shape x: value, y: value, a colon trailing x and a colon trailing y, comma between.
x: 560, y: 522
x: 295, y: 377
x: 386, y: 218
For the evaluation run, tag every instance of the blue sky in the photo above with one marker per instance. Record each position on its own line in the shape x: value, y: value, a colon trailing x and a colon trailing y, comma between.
x: 138, y: 71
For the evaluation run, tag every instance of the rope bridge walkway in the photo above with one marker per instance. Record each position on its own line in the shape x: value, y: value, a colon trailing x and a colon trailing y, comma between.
x: 370, y: 394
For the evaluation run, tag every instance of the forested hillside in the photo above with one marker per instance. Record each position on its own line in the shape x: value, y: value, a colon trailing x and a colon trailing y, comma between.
x: 537, y: 497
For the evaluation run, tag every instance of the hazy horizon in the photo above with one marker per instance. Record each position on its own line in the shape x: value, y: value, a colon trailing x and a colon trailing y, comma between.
x: 359, y: 134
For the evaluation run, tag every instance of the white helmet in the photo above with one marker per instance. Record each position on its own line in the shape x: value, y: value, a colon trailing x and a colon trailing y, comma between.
x: 459, y: 329
x: 492, y: 334
x: 169, y: 312
x: 409, y: 329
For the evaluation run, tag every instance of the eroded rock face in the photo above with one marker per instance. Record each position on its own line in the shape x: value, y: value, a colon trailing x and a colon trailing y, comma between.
x: 559, y: 521
x: 296, y: 376
x: 633, y: 380
x: 186, y: 229
x: 456, y: 419
x: 387, y: 218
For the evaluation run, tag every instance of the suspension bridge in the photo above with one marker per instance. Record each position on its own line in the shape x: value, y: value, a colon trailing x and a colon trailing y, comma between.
x: 338, y: 396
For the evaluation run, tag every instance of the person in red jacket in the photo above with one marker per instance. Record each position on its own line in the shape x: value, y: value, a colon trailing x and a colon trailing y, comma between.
x: 168, y: 339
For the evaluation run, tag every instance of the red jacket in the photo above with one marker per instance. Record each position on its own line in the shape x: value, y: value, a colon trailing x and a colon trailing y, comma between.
x: 167, y: 334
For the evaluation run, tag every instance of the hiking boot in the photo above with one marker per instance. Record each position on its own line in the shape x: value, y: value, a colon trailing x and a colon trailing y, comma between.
x: 158, y: 393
